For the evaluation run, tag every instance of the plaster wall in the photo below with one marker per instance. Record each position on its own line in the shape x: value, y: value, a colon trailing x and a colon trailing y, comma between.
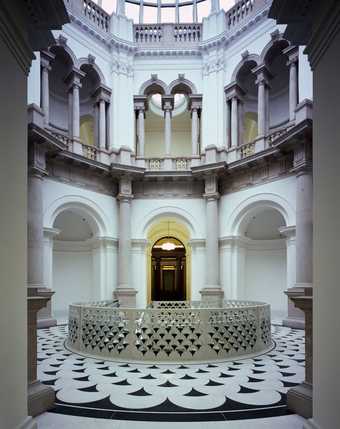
x: 72, y: 280
x: 265, y: 278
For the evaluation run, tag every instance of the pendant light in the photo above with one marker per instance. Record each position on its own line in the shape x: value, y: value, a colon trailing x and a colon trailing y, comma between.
x: 168, y: 245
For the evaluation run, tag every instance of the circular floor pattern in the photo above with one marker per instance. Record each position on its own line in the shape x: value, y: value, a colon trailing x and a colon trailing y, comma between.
x: 240, y: 389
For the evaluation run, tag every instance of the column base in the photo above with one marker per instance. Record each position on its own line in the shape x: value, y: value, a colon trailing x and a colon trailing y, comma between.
x: 126, y: 297
x: 310, y: 424
x: 212, y: 296
x: 167, y: 164
x: 28, y: 423
x: 300, y: 400
x: 296, y: 317
x: 40, y: 398
x: 46, y: 323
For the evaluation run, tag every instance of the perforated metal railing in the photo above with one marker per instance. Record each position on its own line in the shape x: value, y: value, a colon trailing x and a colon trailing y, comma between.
x: 173, y: 332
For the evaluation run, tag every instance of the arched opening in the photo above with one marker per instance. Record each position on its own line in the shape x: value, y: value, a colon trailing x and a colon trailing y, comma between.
x: 276, y: 63
x: 246, y: 80
x: 265, y: 259
x: 168, y: 270
x: 58, y: 87
x: 180, y: 127
x: 88, y: 106
x: 74, y: 275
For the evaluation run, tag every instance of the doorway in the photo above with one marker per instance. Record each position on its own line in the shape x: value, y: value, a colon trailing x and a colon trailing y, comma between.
x: 168, y: 268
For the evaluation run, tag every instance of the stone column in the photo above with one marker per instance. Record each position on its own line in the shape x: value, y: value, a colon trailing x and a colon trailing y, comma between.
x: 212, y: 291
x: 102, y: 97
x: 121, y: 7
x: 304, y: 229
x: 140, y: 105
x: 167, y: 105
x: 74, y: 84
x: 215, y: 6
x: 45, y: 315
x: 234, y: 95
x: 262, y: 81
x: 293, y: 57
x: 195, y: 107
x: 124, y: 292
x: 40, y: 397
x: 228, y: 124
x: 45, y: 60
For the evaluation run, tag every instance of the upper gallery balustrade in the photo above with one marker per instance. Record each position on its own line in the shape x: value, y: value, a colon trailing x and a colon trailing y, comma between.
x: 162, y: 33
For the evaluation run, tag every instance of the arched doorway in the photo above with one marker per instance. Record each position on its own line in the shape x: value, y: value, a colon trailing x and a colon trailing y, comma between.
x: 168, y: 280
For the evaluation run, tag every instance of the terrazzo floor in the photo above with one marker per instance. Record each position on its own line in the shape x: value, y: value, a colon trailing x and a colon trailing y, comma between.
x: 242, y: 389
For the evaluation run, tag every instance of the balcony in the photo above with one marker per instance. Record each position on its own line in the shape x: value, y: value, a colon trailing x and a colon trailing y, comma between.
x: 167, y: 35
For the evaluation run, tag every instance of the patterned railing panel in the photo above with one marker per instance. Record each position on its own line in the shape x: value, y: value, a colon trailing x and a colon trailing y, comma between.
x: 170, y: 332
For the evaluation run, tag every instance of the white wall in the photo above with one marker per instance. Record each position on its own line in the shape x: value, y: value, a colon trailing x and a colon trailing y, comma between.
x: 265, y: 278
x: 72, y: 280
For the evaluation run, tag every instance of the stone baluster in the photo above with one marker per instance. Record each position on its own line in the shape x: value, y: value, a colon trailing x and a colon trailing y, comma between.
x: 212, y: 291
x: 102, y: 97
x: 124, y: 292
x: 293, y: 57
x: 195, y: 107
x: 262, y: 81
x: 140, y: 105
x: 45, y: 60
x: 167, y: 105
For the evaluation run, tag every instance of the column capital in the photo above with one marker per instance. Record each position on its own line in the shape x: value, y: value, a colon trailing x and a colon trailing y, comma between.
x: 195, y: 102
x: 140, y: 102
x: 37, y: 160
x: 263, y: 75
x: 233, y: 90
x: 51, y: 232
x: 74, y: 78
x: 168, y: 102
x: 46, y: 58
x: 292, y: 52
x: 211, y: 188
x: 125, y: 189
x: 102, y: 92
x: 302, y: 162
x: 288, y: 231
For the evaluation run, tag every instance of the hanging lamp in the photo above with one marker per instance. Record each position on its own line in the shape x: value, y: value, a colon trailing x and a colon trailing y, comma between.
x: 168, y: 245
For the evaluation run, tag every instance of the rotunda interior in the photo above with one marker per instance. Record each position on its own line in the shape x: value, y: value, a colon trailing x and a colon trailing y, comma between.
x: 170, y: 249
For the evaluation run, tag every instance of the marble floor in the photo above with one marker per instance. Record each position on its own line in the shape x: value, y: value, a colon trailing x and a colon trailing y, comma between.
x: 95, y: 393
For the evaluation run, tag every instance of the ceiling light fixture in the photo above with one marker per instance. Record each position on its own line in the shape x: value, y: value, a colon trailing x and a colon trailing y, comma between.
x: 168, y: 245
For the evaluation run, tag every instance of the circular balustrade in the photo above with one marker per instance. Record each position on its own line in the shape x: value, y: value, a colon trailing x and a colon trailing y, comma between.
x: 169, y: 331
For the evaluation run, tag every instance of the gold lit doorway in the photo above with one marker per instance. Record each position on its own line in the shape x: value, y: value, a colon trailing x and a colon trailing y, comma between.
x: 168, y: 270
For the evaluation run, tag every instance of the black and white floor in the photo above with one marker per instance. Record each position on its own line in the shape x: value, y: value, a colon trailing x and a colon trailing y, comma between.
x: 241, y: 389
